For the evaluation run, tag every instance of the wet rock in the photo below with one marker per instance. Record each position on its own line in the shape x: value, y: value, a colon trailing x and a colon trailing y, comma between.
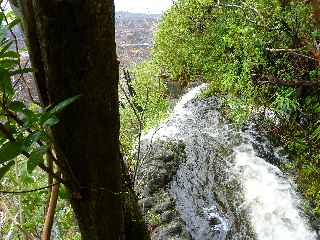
x: 171, y: 231
x: 146, y: 203
x: 214, y: 221
x: 167, y: 216
x: 154, y: 178
x: 164, y: 206
x: 146, y: 191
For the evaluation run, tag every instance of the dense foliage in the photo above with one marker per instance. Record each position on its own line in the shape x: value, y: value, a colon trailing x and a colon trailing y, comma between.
x: 264, y: 56
x: 25, y: 143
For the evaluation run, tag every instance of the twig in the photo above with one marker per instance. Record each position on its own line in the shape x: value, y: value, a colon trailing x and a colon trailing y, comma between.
x: 50, y: 177
x: 284, y: 49
x: 291, y: 83
x: 131, y: 104
x: 292, y: 51
x: 138, y: 164
x: 140, y: 121
x: 24, y: 66
x: 28, y: 191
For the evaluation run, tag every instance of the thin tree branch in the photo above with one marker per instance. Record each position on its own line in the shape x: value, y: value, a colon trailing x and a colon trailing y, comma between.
x: 14, y: 117
x: 291, y: 83
x: 48, y: 223
x: 28, y: 191
x: 140, y: 121
x: 131, y: 104
x: 292, y: 51
x: 50, y: 177
x: 284, y: 49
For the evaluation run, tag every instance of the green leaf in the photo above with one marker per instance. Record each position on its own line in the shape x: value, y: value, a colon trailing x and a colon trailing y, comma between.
x: 64, y: 193
x: 29, y: 118
x: 8, y: 63
x: 5, y: 83
x: 10, y: 54
x: 36, y: 157
x: 10, y: 150
x: 1, y: 17
x: 17, y: 106
x: 5, y: 169
x: 44, y: 117
x: 32, y: 138
x: 14, y: 23
x: 5, y: 46
x: 62, y: 105
x: 53, y: 120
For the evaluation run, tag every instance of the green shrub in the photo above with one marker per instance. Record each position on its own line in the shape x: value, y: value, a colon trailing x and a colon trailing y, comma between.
x: 251, y: 51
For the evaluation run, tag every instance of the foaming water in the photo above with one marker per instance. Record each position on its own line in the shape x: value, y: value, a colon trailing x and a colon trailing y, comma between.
x: 270, y: 198
x: 169, y: 128
x: 227, y: 188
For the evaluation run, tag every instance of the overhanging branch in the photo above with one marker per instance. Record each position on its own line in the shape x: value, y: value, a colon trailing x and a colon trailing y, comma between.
x: 294, y: 51
x: 293, y: 83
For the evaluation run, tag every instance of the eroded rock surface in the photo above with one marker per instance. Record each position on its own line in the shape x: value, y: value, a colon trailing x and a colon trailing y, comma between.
x: 157, y: 171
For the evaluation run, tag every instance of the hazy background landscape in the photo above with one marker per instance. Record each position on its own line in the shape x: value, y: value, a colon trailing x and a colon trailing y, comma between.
x: 136, y: 22
x: 134, y: 36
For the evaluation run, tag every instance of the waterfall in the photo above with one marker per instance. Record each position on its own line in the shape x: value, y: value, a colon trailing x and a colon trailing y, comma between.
x: 270, y: 198
x: 227, y: 188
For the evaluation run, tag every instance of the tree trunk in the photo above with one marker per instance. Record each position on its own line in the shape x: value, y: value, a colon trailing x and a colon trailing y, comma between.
x: 72, y: 48
x: 73, y: 42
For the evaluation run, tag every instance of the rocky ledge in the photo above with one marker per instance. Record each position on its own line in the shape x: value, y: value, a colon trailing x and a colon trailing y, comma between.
x: 160, y: 164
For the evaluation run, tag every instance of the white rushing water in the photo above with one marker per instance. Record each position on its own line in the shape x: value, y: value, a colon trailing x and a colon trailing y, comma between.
x: 170, y: 128
x: 270, y: 198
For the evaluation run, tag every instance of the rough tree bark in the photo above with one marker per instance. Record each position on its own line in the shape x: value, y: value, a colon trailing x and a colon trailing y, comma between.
x: 78, y: 54
x: 72, y: 47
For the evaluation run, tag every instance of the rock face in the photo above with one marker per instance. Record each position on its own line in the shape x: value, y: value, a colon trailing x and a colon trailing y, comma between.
x: 156, y: 172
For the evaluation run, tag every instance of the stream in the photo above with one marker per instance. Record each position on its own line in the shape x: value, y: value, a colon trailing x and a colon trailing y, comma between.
x: 229, y: 186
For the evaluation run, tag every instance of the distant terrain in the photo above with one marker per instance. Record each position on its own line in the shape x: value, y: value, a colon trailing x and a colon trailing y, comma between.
x: 134, y: 36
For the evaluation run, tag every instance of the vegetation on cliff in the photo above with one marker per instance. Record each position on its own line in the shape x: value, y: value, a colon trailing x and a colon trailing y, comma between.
x: 264, y: 56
